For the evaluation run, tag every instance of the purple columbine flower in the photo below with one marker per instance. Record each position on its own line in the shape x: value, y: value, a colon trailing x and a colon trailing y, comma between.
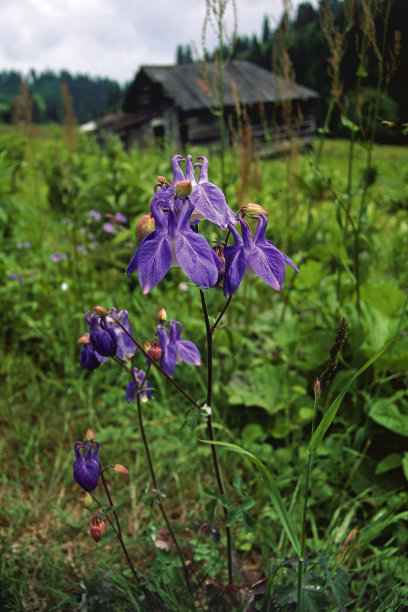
x: 95, y: 215
x: 207, y: 199
x: 89, y: 358
x: 109, y: 229
x: 257, y: 256
x: 141, y: 381
x: 102, y: 335
x: 174, y: 243
x: 86, y: 465
x: 126, y: 347
x: 175, y: 349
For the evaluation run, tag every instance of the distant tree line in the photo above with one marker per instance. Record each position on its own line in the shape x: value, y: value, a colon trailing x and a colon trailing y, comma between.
x: 307, y: 46
x: 90, y: 97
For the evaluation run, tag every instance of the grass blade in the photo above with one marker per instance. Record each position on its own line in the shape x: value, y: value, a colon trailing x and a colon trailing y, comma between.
x: 272, y: 489
x: 328, y: 418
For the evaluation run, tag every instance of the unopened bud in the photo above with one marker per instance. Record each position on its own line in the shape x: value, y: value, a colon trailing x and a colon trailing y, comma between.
x: 183, y: 189
x: 253, y: 209
x: 83, y: 339
x: 120, y: 468
x: 97, y: 528
x: 163, y: 181
x: 317, y: 389
x: 146, y: 346
x: 90, y: 435
x: 155, y: 352
x: 145, y: 226
x: 85, y: 499
x: 100, y: 310
x: 162, y: 315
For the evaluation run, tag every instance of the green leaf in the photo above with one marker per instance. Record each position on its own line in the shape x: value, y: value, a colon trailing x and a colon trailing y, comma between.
x: 328, y: 418
x: 405, y: 465
x: 386, y: 412
x: 210, y: 508
x: 386, y: 298
x: 339, y: 588
x: 272, y: 489
x: 349, y: 124
x: 390, y: 462
x: 233, y: 517
x: 361, y: 71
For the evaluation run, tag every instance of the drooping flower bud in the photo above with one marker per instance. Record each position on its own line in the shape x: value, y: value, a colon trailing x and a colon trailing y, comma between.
x: 162, y: 315
x: 83, y: 339
x: 145, y: 226
x: 183, y: 189
x: 146, y: 345
x: 155, y: 352
x: 90, y: 435
x: 86, y: 465
x: 97, y: 528
x: 85, y: 499
x: 252, y: 210
x: 120, y: 468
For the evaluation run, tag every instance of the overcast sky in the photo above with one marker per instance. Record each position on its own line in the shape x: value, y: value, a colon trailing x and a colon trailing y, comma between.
x: 111, y: 37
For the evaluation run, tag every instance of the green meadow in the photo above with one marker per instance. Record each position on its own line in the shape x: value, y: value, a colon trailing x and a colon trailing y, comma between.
x: 345, y: 226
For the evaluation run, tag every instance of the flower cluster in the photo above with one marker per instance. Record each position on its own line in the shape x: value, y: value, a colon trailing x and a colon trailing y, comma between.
x: 169, y: 236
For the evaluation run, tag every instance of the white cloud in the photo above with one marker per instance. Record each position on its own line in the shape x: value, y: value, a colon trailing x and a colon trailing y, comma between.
x: 110, y: 37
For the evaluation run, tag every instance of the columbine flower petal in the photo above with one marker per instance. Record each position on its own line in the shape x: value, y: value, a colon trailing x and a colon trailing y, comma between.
x: 258, y: 256
x: 86, y: 465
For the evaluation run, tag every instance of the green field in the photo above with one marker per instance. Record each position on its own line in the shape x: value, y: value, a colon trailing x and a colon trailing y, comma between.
x: 346, y: 230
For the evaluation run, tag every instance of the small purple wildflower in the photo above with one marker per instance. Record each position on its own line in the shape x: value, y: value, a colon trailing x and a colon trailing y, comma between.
x: 67, y: 221
x: 81, y: 249
x: 145, y: 394
x: 109, y: 229
x: 83, y: 230
x: 55, y: 257
x: 175, y: 349
x: 95, y: 215
x: 119, y: 218
x: 26, y: 244
x: 86, y: 465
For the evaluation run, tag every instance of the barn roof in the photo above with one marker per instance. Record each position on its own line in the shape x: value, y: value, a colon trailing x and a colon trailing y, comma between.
x: 188, y: 86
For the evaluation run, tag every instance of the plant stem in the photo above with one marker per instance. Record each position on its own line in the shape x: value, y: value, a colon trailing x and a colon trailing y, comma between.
x: 153, y: 475
x: 209, y: 333
x: 156, y: 365
x: 304, y: 516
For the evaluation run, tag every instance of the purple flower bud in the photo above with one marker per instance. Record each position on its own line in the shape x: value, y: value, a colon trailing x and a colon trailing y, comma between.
x: 86, y: 465
x: 102, y: 335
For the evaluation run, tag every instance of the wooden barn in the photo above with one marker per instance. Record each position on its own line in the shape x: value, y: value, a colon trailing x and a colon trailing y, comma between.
x: 176, y: 104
